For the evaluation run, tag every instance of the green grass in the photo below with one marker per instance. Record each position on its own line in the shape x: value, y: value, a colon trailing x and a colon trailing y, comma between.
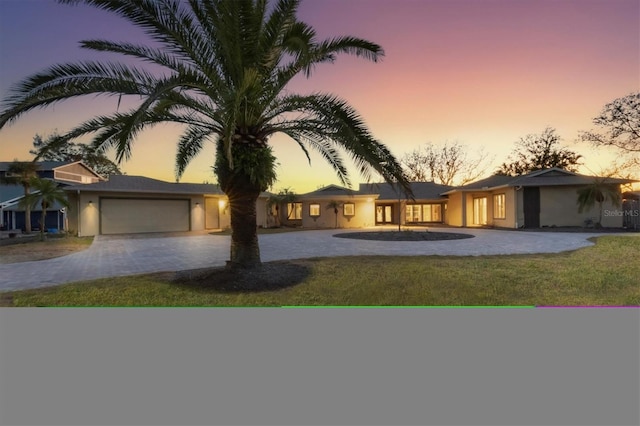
x: 605, y: 274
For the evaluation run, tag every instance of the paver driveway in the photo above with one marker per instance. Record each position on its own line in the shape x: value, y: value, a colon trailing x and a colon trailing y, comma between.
x: 116, y: 256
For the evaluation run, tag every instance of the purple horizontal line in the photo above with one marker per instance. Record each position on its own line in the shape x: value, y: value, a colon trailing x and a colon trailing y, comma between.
x: 590, y: 307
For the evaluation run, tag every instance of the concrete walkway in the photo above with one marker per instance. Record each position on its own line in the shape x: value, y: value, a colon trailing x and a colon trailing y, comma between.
x: 111, y: 256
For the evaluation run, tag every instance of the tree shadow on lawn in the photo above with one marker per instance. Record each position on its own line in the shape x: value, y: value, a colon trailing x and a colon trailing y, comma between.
x: 271, y: 276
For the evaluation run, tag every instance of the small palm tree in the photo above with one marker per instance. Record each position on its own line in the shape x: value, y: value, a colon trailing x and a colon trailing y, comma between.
x: 335, y: 205
x: 21, y: 173
x: 282, y: 198
x: 46, y: 193
x: 223, y: 69
x: 598, y: 192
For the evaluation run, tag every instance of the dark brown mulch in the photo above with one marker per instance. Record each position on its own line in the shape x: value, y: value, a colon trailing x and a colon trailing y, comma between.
x: 267, y: 277
x: 404, y: 236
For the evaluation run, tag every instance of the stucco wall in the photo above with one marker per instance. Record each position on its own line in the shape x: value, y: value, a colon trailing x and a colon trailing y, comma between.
x: 510, y: 208
x: 519, y: 203
x: 72, y: 212
x: 454, y: 210
x: 261, y: 213
x: 558, y: 206
x: 364, y: 214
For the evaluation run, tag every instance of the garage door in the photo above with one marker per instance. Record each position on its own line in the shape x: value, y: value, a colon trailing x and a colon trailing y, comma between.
x: 130, y: 216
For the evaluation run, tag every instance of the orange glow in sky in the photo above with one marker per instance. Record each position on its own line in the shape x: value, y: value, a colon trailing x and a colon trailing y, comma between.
x: 480, y: 72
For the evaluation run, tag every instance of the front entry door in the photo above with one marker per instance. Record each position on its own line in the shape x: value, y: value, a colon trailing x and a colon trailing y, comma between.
x: 532, y: 207
x: 384, y: 214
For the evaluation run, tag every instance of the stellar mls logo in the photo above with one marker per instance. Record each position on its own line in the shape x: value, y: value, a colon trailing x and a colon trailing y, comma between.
x: 619, y: 213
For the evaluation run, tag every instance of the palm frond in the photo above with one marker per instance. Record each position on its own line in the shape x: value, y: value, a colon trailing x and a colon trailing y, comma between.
x: 190, y: 145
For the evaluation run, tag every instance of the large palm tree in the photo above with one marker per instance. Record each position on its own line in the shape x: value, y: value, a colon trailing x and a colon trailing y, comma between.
x: 21, y: 173
x: 46, y: 193
x: 227, y: 64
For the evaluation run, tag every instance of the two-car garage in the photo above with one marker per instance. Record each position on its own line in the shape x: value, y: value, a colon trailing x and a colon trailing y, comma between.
x: 129, y: 215
x: 137, y: 204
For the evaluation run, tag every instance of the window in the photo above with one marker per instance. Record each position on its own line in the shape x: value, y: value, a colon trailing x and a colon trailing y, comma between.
x: 294, y: 211
x: 480, y: 211
x: 349, y: 209
x: 424, y: 213
x: 499, y: 210
x: 384, y: 214
x: 314, y: 210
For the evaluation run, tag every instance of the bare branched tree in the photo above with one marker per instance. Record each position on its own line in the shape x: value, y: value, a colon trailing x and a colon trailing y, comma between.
x: 619, y: 124
x: 447, y: 164
x: 619, y: 127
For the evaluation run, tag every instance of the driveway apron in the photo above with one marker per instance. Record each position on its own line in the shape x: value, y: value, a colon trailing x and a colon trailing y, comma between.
x: 118, y: 256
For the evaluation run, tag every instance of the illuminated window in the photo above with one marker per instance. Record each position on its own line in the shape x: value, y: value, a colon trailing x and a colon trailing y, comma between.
x: 294, y: 211
x: 499, y: 209
x: 423, y: 213
x: 314, y: 210
x: 349, y: 209
x: 480, y: 211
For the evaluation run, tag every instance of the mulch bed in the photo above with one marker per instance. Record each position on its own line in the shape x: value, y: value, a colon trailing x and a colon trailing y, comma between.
x: 404, y: 236
x: 269, y: 276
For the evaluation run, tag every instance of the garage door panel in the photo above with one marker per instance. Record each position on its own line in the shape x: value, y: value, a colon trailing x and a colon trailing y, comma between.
x: 126, y: 216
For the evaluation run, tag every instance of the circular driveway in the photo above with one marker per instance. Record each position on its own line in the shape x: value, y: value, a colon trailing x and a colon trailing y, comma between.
x: 111, y: 256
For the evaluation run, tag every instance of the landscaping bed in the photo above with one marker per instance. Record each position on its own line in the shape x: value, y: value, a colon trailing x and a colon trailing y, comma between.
x: 404, y: 236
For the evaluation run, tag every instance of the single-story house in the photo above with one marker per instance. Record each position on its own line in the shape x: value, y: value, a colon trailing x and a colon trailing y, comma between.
x: 136, y: 204
x: 545, y: 198
x: 63, y: 173
x: 372, y: 204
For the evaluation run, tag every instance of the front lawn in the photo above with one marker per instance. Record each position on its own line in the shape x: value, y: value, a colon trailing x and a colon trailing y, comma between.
x: 605, y: 274
x: 31, y: 248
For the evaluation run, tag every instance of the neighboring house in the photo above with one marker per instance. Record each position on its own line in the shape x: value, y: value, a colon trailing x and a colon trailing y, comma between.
x: 63, y: 173
x: 545, y: 198
x: 135, y: 204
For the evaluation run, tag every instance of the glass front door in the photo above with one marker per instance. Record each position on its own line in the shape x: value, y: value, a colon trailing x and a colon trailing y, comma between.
x: 384, y: 214
x: 480, y: 211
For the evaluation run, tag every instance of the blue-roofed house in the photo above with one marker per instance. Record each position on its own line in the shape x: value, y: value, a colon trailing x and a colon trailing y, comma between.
x: 12, y: 215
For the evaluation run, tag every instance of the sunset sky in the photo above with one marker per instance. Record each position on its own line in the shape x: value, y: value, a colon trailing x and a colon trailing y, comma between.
x: 480, y: 72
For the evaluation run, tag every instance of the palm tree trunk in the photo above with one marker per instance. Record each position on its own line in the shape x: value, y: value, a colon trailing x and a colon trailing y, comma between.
x: 42, y: 221
x: 600, y: 215
x: 243, y: 194
x: 253, y: 173
x: 27, y: 211
x: 245, y: 251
